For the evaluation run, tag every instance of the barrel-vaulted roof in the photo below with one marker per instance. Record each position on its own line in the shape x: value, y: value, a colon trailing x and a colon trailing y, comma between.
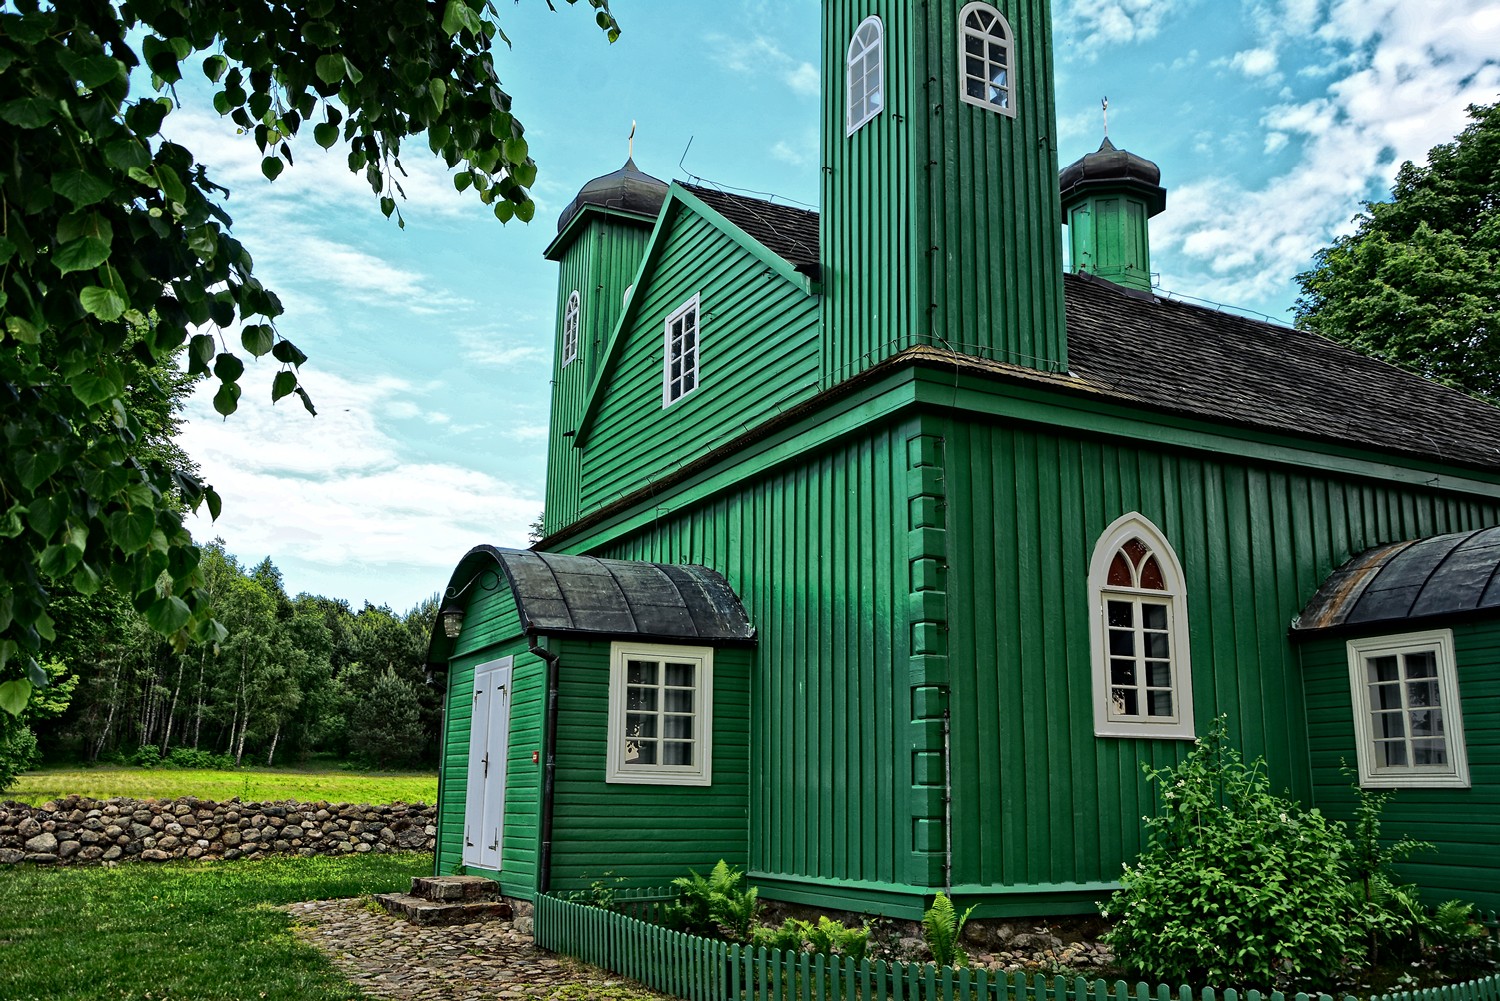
x: 1425, y: 580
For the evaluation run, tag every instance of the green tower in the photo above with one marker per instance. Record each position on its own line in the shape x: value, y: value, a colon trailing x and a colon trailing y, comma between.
x: 1108, y: 196
x: 601, y: 238
x: 941, y: 223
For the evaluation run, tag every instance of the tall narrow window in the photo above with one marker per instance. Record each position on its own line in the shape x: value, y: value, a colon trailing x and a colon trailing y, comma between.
x: 570, y: 329
x: 1406, y: 712
x: 987, y: 59
x: 1142, y: 678
x: 866, y: 74
x: 680, y: 370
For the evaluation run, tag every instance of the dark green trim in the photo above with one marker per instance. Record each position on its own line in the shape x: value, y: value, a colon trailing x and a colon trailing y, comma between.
x: 561, y: 242
x: 897, y: 900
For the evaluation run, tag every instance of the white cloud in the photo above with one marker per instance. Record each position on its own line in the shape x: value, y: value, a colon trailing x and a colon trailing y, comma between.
x: 762, y: 57
x: 1412, y: 70
x: 494, y: 348
x: 1091, y: 25
x: 804, y: 79
x: 1255, y: 62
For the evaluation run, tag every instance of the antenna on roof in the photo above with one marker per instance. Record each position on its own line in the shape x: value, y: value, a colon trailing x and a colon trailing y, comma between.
x: 632, y: 139
x: 1105, y: 105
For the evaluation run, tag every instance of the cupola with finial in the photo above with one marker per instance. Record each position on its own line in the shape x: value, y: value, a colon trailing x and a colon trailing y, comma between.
x: 1107, y: 198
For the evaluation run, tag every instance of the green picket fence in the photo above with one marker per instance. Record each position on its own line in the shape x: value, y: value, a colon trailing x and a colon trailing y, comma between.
x: 630, y: 943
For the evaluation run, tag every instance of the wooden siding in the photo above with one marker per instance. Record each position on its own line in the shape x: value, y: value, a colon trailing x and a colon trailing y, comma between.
x: 941, y: 220
x: 1037, y: 798
x: 645, y: 833
x: 758, y: 356
x: 819, y: 553
x: 492, y: 629
x: 1463, y: 825
x: 600, y: 264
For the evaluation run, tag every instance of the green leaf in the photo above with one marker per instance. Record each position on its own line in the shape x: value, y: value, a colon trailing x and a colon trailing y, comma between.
x: 97, y: 386
x: 227, y: 399
x: 22, y: 330
x: 214, y: 67
x: 34, y: 468
x: 28, y: 112
x: 86, y: 580
x: 330, y: 69
x: 228, y: 367
x: 131, y: 530
x: 36, y: 675
x: 307, y: 403
x: 516, y: 150
x: 168, y: 615
x: 285, y: 351
x: 103, y: 303
x: 200, y: 352
x: 504, y: 211
x: 272, y: 167
x: 82, y: 254
x: 258, y: 339
x: 214, y: 501
x: 283, y: 385
x: 14, y: 695
x: 326, y: 134
x: 80, y: 187
x: 59, y: 561
x: 526, y: 211
x: 437, y: 89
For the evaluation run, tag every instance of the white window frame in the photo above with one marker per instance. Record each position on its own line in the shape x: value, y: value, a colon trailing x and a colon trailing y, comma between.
x: 865, y: 58
x: 700, y: 772
x: 1455, y: 774
x: 965, y: 32
x: 1107, y: 723
x: 571, y: 317
x: 668, y: 384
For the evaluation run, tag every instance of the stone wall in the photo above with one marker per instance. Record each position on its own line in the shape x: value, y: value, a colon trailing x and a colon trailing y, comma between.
x: 80, y: 831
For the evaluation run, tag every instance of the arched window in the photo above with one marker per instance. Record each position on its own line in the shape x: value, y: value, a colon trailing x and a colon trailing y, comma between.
x: 570, y: 329
x: 987, y: 57
x: 1143, y: 682
x: 866, y: 74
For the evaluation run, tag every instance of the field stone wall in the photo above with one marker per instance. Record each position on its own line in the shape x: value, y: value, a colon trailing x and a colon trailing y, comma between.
x: 81, y: 831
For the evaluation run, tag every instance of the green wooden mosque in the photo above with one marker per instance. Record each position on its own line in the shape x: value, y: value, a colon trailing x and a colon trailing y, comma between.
x: 880, y: 553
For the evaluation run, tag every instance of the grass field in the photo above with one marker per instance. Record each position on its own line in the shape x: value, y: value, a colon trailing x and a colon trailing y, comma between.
x: 180, y: 930
x: 246, y: 783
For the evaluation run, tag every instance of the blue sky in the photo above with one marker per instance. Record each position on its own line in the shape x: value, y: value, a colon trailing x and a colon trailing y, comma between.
x: 1272, y: 120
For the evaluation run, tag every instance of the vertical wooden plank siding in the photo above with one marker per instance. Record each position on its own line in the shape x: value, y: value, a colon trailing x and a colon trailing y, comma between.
x: 647, y: 834
x: 600, y: 264
x: 941, y: 222
x: 492, y: 629
x: 818, y: 553
x: 757, y: 357
x: 1463, y: 825
x: 1039, y: 800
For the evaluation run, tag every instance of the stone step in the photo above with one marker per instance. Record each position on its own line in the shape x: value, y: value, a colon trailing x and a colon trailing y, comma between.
x: 455, y: 888
x: 430, y: 912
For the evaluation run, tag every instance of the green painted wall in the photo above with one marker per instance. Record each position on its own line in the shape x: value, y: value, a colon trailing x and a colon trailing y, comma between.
x: 645, y: 833
x: 941, y: 221
x: 758, y: 356
x: 1109, y: 236
x: 1462, y: 824
x: 600, y: 263
x: 492, y: 629
x: 1038, y: 799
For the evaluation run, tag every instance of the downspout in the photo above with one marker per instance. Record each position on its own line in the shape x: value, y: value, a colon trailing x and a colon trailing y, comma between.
x: 549, y: 768
x: 947, y: 805
x: 437, y: 846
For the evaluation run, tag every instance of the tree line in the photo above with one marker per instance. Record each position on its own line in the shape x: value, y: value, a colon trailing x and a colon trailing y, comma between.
x: 293, y: 677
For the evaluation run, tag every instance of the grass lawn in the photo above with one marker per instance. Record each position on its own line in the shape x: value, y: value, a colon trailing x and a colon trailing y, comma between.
x: 248, y: 784
x: 178, y: 931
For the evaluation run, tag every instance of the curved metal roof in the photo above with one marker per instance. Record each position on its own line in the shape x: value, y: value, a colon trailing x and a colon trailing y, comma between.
x: 627, y: 189
x: 1442, y: 577
x: 559, y: 595
x: 1111, y: 167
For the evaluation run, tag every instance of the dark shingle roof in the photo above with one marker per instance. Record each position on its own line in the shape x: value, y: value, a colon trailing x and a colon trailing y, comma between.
x: 1208, y: 363
x: 1437, y: 578
x: 790, y: 233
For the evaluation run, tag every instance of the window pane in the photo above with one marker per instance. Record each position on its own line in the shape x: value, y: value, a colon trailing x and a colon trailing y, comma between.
x: 1158, y: 645
x: 675, y: 752
x: 1121, y: 613
x: 974, y: 46
x: 1429, y: 751
x: 1159, y: 674
x: 641, y: 672
x: 680, y: 727
x: 679, y: 700
x: 1119, y: 572
x: 1125, y: 701
x: 1385, y: 696
x: 1389, y: 725
x: 641, y: 725
x: 1422, y: 693
x: 640, y: 699
x: 1122, y: 672
x: 1151, y: 578
x: 681, y: 675
x: 688, y: 382
x: 640, y: 752
x: 1122, y: 642
x: 1383, y: 669
x: 976, y: 88
x: 1421, y: 665
x: 1160, y: 703
x: 1153, y: 616
x: 1426, y: 723
x: 1390, y: 753
x: 1136, y: 550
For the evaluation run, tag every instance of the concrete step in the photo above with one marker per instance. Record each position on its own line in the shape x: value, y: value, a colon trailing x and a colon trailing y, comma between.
x: 455, y: 888
x: 430, y: 912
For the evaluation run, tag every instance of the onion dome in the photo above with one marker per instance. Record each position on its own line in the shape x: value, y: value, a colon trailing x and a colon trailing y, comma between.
x: 625, y: 190
x: 1114, y: 169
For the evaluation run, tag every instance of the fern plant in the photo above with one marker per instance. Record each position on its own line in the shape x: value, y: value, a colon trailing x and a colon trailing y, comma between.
x: 942, y: 926
x: 714, y: 905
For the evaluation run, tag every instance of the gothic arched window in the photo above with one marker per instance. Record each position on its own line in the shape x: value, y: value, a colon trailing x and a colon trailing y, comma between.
x: 987, y: 57
x: 570, y: 329
x: 866, y: 73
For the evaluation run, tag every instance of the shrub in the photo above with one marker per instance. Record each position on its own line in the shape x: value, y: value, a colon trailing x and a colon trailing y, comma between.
x: 146, y: 756
x: 600, y: 893
x: 1236, y: 885
x: 187, y: 757
x: 826, y: 938
x: 942, y: 926
x: 17, y: 749
x: 714, y: 905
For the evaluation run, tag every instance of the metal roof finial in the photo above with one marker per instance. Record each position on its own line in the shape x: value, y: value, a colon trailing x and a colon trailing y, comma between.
x: 1105, y: 105
x: 632, y: 139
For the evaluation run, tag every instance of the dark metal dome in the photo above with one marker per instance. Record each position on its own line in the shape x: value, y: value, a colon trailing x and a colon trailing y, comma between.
x: 627, y: 190
x: 1115, y: 168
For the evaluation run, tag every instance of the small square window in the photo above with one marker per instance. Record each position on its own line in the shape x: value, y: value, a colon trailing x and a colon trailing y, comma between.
x: 660, y: 715
x: 1407, y: 720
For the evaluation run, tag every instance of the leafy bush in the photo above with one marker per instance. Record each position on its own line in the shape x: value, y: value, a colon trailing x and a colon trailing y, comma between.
x: 826, y: 938
x: 17, y: 750
x: 146, y: 756
x: 600, y: 893
x: 187, y: 757
x: 714, y: 905
x: 942, y: 926
x: 1236, y: 885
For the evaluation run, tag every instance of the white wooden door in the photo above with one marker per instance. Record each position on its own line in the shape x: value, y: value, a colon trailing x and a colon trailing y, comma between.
x: 489, y: 742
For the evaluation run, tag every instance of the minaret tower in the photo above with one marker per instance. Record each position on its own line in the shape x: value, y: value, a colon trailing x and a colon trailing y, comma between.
x: 1108, y: 197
